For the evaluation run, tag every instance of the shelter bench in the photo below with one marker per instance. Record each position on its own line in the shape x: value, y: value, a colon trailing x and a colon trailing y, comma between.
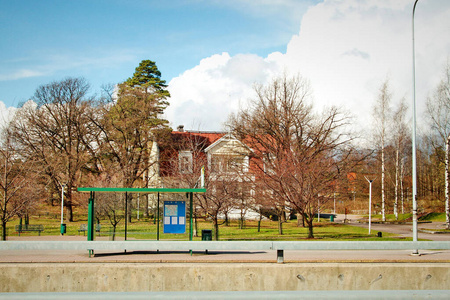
x: 28, y: 227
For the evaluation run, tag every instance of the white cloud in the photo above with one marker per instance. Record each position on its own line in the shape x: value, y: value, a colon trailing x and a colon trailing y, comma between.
x: 205, y: 95
x: 348, y: 48
x: 6, y: 114
x: 55, y: 62
x: 345, y: 48
x: 20, y: 74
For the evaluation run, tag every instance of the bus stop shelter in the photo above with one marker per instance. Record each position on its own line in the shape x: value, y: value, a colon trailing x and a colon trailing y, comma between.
x: 92, y: 190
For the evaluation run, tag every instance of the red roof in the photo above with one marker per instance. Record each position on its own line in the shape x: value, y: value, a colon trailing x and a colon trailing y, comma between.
x: 210, y: 136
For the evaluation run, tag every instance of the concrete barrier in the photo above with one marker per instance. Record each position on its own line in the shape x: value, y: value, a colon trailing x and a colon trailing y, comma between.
x: 156, y: 277
x: 245, y: 295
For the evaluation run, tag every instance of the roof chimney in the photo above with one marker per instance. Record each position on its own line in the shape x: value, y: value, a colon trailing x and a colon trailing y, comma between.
x: 180, y: 128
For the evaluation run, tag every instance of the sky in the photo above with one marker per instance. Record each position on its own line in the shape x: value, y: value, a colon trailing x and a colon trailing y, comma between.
x: 211, y: 53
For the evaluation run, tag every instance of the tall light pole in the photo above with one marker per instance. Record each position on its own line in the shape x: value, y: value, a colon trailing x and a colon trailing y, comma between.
x: 62, y: 209
x: 414, y: 163
x: 370, y: 202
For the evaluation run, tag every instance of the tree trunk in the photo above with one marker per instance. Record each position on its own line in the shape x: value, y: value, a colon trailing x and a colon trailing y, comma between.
x: 227, y: 223
x: 300, y: 220
x: 114, y: 233
x: 397, y: 171
x: 280, y: 223
x: 68, y: 203
x: 383, y: 198
x: 402, y: 192
x: 241, y: 221
x: 3, y: 231
x: 447, y: 182
x: 309, y: 222
x: 195, y: 224
x: 146, y: 174
x: 69, y: 211
x: 146, y: 212
x: 129, y: 207
x: 216, y: 228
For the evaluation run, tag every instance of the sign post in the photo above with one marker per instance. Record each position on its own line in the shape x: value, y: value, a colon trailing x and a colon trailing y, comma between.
x: 90, y: 235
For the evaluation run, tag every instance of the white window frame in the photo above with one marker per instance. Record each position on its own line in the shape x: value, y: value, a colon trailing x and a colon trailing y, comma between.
x: 182, y: 155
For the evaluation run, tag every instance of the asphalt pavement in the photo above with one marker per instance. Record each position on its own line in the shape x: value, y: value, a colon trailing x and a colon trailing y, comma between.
x: 426, y: 230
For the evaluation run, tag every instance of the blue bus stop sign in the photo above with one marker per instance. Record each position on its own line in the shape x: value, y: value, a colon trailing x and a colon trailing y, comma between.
x: 175, y: 217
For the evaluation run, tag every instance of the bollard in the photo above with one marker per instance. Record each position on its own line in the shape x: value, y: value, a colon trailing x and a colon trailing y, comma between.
x: 280, y: 256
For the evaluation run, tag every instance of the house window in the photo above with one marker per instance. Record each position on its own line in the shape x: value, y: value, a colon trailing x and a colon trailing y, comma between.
x: 185, y: 162
x: 229, y: 163
x: 269, y: 161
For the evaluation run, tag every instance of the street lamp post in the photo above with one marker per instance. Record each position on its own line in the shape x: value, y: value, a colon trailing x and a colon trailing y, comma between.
x: 370, y: 202
x: 62, y: 210
x: 414, y: 163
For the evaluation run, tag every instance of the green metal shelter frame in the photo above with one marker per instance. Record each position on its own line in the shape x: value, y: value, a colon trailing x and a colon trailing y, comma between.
x: 93, y: 190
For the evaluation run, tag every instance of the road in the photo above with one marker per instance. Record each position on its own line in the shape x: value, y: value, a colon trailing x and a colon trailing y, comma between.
x: 404, y: 230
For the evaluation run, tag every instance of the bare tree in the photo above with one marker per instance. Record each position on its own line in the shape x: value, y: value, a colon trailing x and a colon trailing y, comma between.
x: 216, y: 200
x: 382, y: 115
x: 17, y: 186
x: 111, y: 206
x: 400, y: 135
x: 57, y: 132
x: 181, y: 160
x: 299, y: 155
x: 126, y: 127
x: 438, y: 113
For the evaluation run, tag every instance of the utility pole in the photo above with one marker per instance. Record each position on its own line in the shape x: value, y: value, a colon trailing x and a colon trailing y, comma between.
x: 370, y: 202
x: 63, y: 226
x: 414, y: 163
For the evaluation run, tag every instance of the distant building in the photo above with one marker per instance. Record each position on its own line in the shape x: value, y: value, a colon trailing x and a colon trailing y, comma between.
x: 182, y: 155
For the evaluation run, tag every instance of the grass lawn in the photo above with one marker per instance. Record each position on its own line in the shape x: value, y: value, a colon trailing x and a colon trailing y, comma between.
x: 145, y: 229
x: 433, y: 217
x: 391, y: 217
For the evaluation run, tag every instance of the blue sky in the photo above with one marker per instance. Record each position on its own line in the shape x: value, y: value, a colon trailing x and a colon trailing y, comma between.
x: 105, y: 40
x: 211, y: 53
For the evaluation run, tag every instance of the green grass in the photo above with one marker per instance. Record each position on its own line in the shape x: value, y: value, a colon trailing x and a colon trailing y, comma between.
x: 391, y: 217
x: 434, y: 217
x: 145, y: 229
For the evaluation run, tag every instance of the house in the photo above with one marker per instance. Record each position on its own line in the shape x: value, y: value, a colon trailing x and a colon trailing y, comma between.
x: 225, y: 159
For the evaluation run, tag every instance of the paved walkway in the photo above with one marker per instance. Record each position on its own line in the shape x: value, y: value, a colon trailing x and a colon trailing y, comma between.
x: 304, y: 256
x: 426, y: 231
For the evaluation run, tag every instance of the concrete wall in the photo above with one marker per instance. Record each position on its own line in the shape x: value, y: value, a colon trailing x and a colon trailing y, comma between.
x: 120, y: 277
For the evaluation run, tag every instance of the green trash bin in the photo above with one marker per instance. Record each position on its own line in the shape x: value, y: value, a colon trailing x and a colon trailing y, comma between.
x: 63, y: 228
x: 206, y: 235
x: 332, y: 218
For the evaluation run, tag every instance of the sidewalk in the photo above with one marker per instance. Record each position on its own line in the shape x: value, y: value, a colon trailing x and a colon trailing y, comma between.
x: 426, y: 231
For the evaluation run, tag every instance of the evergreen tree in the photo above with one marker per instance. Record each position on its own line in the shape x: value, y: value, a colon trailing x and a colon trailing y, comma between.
x: 147, y: 75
